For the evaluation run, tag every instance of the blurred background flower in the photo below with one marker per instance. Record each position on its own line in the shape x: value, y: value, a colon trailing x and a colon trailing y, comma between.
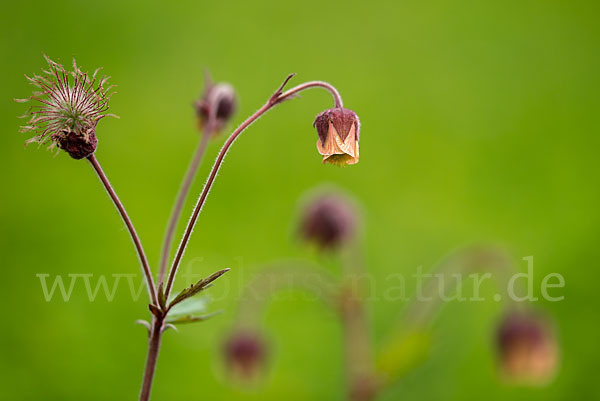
x: 527, y: 348
x: 245, y: 354
x: 328, y: 219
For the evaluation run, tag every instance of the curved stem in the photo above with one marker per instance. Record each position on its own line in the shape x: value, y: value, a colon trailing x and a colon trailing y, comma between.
x: 275, y: 99
x: 181, y: 196
x: 337, y: 99
x: 136, y: 239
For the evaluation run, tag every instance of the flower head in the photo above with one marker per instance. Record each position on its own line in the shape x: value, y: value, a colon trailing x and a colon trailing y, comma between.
x: 216, y: 106
x: 339, y: 131
x: 527, y: 348
x: 67, y: 108
x: 245, y: 353
x: 329, y: 220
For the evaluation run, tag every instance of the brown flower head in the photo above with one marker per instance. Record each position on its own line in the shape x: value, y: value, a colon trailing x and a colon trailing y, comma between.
x: 216, y: 106
x: 527, y: 348
x: 329, y: 220
x: 67, y: 108
x: 245, y: 354
x: 339, y: 131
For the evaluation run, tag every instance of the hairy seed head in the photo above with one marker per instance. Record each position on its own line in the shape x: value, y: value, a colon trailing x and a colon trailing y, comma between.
x: 66, y: 108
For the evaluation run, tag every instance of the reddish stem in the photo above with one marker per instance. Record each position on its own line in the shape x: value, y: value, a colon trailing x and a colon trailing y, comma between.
x: 136, y: 239
x: 152, y: 358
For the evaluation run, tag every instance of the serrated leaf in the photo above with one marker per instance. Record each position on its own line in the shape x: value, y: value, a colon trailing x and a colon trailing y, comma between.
x: 196, y: 288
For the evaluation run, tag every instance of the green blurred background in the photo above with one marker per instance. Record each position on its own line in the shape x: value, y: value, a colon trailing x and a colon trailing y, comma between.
x: 480, y: 123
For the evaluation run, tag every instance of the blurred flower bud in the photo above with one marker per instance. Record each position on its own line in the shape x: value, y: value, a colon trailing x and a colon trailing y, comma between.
x: 245, y: 354
x: 527, y: 348
x: 329, y: 220
x: 216, y: 107
x: 68, y: 106
x: 339, y: 131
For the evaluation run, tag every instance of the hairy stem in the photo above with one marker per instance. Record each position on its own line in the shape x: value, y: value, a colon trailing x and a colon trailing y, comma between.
x: 181, y: 196
x: 152, y: 358
x: 274, y: 100
x: 136, y: 239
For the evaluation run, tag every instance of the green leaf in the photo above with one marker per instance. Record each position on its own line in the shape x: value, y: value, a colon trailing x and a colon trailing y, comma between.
x: 196, y: 288
x: 193, y: 319
x: 191, y: 306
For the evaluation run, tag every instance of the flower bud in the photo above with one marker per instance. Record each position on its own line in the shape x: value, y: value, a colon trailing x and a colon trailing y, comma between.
x: 245, y: 354
x: 339, y: 131
x: 329, y: 220
x: 527, y: 348
x: 216, y: 107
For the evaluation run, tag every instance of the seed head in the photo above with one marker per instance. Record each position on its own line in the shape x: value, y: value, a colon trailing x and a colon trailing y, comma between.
x: 329, y: 220
x: 339, y: 131
x: 216, y: 106
x: 67, y: 108
x: 527, y: 348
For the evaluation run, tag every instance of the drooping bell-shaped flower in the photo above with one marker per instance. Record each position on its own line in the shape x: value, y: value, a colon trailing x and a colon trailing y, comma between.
x: 339, y: 133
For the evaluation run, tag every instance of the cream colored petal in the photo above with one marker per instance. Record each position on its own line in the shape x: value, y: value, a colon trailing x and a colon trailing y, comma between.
x: 336, y: 151
x: 354, y: 159
x: 349, y: 145
x: 330, y: 147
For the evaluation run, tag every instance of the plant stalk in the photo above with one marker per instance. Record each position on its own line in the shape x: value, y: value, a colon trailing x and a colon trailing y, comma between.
x: 152, y: 358
x: 134, y: 236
